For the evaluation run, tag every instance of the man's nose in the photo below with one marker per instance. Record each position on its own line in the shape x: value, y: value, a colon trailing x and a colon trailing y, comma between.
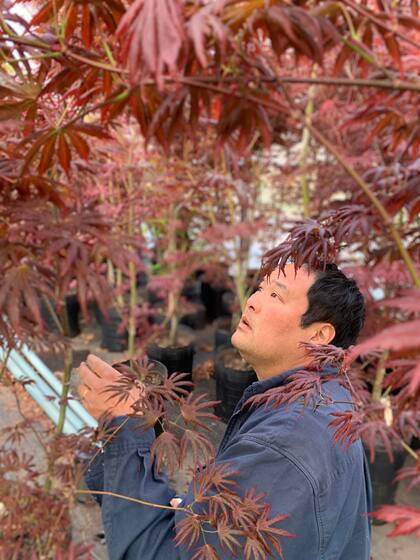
x: 254, y: 302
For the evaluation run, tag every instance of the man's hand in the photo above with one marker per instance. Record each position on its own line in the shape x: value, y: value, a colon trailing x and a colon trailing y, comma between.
x: 96, y: 375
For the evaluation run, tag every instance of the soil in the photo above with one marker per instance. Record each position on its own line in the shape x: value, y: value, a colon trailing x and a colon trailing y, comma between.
x: 232, y: 359
x: 182, y: 340
x: 150, y: 375
x: 202, y: 371
x: 151, y: 378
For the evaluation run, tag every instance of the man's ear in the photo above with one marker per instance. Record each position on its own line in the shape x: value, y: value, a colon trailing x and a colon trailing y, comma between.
x: 324, y: 333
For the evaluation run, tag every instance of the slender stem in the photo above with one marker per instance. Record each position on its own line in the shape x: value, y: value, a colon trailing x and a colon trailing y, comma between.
x: 375, y: 201
x: 409, y: 450
x: 68, y: 365
x: 133, y: 307
x: 4, y: 364
x: 30, y: 424
x: 24, y: 41
x: 100, y: 450
x: 173, y: 321
x: 380, y: 23
x: 96, y: 63
x: 48, y: 545
x: 33, y: 57
x: 110, y: 272
x: 119, y: 283
x: 239, y: 280
x: 306, y: 136
x: 377, y: 384
x: 53, y: 313
x: 135, y: 500
x: 173, y: 298
x: 396, y: 84
x: 131, y: 265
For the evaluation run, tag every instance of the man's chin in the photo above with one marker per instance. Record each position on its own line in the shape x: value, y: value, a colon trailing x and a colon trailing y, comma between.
x: 234, y: 339
x: 238, y: 342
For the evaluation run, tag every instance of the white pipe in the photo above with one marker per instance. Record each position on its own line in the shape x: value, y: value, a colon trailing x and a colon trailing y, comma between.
x: 77, y: 408
x: 50, y: 408
x: 45, y: 389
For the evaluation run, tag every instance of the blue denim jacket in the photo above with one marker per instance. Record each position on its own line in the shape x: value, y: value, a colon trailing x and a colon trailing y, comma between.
x: 287, y: 452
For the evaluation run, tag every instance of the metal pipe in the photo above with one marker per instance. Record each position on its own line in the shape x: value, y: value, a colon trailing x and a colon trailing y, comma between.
x: 21, y: 369
x: 45, y: 389
x: 56, y: 384
x: 49, y: 407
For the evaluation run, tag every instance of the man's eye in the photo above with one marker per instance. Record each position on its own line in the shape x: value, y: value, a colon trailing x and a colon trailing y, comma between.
x: 274, y: 294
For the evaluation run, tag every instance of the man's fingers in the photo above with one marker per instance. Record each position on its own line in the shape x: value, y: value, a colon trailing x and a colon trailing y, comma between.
x: 175, y: 502
x: 96, y: 373
x: 101, y: 369
x: 89, y: 378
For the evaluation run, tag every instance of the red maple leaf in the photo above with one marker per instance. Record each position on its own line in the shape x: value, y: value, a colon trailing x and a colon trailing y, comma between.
x: 405, y: 518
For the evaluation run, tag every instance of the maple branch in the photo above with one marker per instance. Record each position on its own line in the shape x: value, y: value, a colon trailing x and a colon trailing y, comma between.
x: 306, y: 137
x: 379, y: 379
x: 68, y: 365
x: 4, y: 364
x: 95, y: 63
x: 348, y: 82
x: 28, y: 42
x: 349, y: 169
x: 108, y: 101
x: 137, y: 501
x: 100, y: 450
x: 370, y: 16
x: 405, y: 255
x: 226, y: 91
x: 353, y: 82
x: 204, y: 81
x: 409, y: 450
x: 30, y: 424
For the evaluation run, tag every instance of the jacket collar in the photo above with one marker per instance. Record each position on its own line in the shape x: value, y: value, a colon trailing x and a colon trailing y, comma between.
x: 276, y: 381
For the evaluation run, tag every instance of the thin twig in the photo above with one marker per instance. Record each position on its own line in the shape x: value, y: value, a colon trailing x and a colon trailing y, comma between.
x: 409, y: 450
x: 387, y: 219
x: 4, y: 363
x: 137, y: 501
x: 380, y: 23
x: 100, y: 450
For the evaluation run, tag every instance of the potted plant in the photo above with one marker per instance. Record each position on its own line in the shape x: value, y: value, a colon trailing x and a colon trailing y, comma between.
x: 233, y: 229
x: 170, y: 220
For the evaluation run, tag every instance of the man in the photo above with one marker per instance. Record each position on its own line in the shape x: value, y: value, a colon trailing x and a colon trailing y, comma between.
x: 286, y: 452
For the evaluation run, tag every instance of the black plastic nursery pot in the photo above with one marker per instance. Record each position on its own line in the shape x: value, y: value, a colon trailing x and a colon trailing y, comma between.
x: 195, y: 319
x: 154, y: 298
x: 112, y: 338
x: 223, y: 332
x: 156, y: 318
x: 230, y: 382
x: 142, y: 279
x: 72, y: 308
x: 192, y: 290
x: 177, y: 359
x: 212, y: 299
x: 382, y: 473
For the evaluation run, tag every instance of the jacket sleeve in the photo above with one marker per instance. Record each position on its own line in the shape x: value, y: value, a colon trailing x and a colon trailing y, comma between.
x: 140, y: 532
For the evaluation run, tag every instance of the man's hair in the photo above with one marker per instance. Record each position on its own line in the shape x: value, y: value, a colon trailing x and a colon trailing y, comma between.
x: 336, y: 299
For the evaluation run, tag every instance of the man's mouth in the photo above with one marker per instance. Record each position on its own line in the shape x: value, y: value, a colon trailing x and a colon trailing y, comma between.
x: 244, y: 323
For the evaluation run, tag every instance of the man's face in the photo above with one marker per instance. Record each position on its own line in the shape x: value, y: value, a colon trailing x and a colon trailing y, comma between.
x: 269, y: 332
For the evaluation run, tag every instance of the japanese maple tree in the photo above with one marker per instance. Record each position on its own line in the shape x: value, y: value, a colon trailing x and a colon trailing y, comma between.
x: 338, y: 79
